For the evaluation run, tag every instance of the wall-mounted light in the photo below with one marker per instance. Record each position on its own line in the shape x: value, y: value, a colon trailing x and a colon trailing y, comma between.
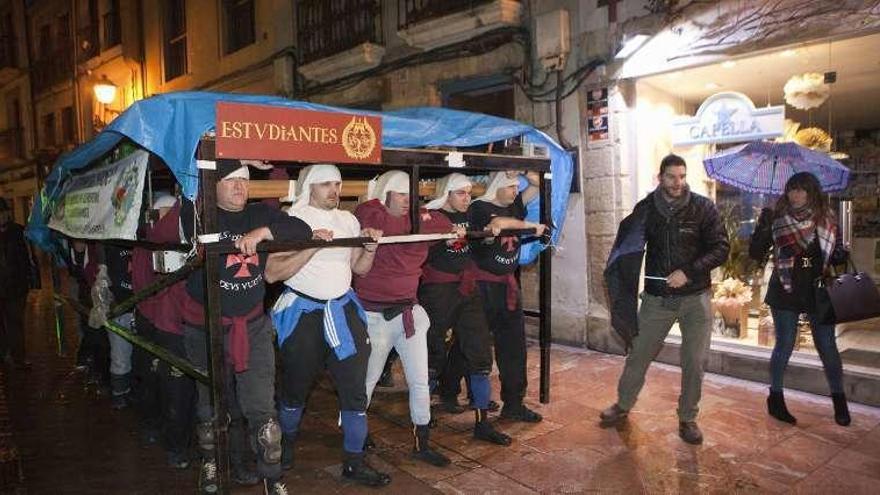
x: 105, y: 90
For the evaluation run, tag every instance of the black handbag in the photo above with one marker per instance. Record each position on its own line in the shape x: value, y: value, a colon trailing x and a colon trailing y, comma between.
x: 851, y: 296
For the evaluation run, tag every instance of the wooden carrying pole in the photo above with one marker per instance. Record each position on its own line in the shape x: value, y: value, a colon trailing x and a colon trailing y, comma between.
x: 264, y: 189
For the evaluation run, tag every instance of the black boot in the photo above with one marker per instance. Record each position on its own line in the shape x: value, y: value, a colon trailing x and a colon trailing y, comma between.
x: 423, y: 451
x: 120, y: 388
x: 776, y: 408
x: 450, y: 404
x: 841, y: 410
x: 287, y: 444
x: 355, y: 468
x: 483, y: 430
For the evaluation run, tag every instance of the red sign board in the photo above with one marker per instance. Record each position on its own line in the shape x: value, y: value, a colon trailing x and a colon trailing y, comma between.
x: 261, y: 132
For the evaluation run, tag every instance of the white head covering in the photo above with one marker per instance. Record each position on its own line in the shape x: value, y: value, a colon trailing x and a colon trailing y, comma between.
x: 391, y: 181
x: 497, y: 180
x: 313, y: 174
x: 164, y: 200
x: 447, y: 184
x: 232, y: 169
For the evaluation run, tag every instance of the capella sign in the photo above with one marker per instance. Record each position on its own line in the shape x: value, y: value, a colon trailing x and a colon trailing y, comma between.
x: 728, y: 117
x: 292, y: 134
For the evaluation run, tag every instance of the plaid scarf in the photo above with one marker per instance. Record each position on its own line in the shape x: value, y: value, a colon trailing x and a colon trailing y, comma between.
x: 792, y: 235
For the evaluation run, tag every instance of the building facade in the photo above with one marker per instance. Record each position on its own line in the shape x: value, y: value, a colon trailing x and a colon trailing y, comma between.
x: 17, y: 138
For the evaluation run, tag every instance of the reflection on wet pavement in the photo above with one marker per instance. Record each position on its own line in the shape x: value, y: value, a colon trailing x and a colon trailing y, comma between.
x: 70, y: 441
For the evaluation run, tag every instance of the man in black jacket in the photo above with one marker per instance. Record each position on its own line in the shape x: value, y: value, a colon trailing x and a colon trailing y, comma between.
x: 685, y: 241
x: 15, y: 272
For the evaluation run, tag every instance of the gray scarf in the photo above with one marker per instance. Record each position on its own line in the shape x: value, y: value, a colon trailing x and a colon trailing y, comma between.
x: 669, y: 206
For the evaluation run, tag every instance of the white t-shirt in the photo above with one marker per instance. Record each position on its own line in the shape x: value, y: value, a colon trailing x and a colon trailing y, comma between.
x: 328, y: 274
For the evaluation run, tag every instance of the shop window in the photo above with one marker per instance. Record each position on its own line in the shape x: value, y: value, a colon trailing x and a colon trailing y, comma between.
x: 47, y: 126
x: 174, y: 14
x: 240, y: 24
x: 67, y: 127
x: 112, y: 25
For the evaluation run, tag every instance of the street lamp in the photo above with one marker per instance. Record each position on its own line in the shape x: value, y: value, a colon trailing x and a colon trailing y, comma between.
x: 105, y: 90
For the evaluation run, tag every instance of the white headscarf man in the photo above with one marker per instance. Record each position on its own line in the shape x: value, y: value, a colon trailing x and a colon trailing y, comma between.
x: 450, y: 183
x: 498, y: 180
x: 313, y: 174
x: 391, y: 181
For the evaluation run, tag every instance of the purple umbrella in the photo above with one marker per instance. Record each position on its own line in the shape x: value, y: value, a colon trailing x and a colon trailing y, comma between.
x: 764, y: 167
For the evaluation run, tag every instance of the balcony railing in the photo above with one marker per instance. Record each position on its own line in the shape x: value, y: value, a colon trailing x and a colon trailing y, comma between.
x: 87, y: 43
x: 112, y: 30
x: 415, y: 11
x: 327, y: 27
x: 11, y: 143
x: 51, y: 70
x: 7, y: 52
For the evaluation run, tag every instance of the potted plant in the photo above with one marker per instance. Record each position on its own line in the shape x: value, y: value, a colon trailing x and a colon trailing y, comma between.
x: 731, y: 300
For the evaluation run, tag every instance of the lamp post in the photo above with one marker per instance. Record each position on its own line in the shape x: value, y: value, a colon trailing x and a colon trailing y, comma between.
x: 105, y: 93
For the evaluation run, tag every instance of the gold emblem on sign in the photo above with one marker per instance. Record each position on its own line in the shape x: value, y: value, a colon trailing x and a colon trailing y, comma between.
x: 358, y: 138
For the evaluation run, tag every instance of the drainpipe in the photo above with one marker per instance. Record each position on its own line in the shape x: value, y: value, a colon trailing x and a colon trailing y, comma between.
x: 80, y: 128
x: 143, y: 46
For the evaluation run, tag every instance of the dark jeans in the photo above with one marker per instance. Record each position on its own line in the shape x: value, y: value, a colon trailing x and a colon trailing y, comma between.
x: 145, y: 377
x: 509, y: 332
x: 305, y: 354
x: 470, y: 351
x: 785, y: 323
x: 250, y: 394
x: 12, y: 327
x: 177, y: 393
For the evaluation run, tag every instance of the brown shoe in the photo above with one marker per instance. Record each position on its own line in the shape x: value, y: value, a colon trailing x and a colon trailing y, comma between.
x: 690, y: 432
x: 613, y: 415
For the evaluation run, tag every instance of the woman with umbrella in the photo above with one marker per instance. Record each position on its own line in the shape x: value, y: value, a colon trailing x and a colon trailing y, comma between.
x: 804, y: 235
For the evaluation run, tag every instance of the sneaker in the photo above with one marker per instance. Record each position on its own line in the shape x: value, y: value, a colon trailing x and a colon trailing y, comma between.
x: 274, y: 488
x: 208, y: 480
x: 486, y: 432
x: 690, y: 432
x: 178, y: 460
x: 612, y: 416
x: 360, y: 472
x: 521, y: 413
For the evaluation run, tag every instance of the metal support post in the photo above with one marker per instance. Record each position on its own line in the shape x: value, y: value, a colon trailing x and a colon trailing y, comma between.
x: 213, y: 328
x: 545, y: 267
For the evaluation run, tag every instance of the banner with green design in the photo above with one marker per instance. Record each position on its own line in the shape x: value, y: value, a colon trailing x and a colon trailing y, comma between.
x: 104, y: 202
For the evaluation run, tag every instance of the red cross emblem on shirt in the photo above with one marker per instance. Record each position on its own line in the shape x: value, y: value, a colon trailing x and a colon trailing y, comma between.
x: 509, y: 243
x: 244, y: 261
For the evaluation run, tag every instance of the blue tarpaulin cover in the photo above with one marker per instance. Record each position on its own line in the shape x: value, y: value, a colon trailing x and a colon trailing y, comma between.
x: 171, y: 124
